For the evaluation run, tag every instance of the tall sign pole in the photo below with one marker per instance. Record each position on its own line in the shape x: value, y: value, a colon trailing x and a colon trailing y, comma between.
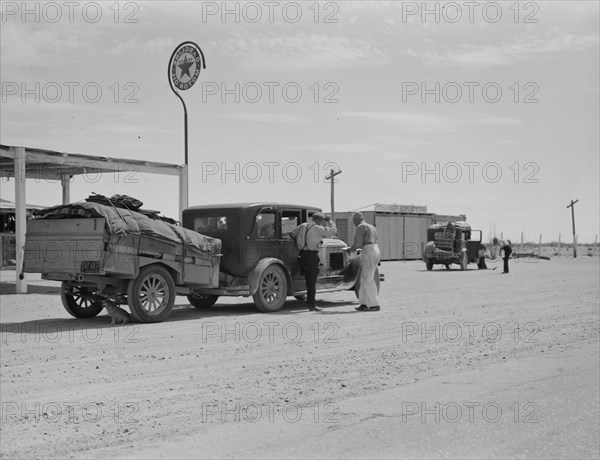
x: 572, y: 206
x: 184, y: 69
x: 331, y: 176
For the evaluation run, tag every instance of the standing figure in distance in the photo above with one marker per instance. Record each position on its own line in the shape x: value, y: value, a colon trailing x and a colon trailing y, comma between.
x: 506, y: 248
x: 481, y: 255
x: 308, y: 236
x: 365, y: 238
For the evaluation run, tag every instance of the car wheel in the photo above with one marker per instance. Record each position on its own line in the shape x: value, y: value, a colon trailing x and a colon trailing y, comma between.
x: 151, y: 295
x: 76, y: 302
x: 272, y: 289
x: 202, y: 301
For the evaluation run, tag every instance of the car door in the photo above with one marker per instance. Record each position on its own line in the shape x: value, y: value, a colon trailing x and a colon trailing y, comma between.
x: 264, y: 235
x: 289, y: 219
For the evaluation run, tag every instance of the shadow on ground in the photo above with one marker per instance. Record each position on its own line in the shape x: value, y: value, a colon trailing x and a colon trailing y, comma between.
x: 10, y: 288
x: 181, y: 312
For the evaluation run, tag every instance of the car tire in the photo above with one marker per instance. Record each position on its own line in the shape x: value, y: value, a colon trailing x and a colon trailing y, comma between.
x: 77, y: 305
x: 202, y: 301
x: 272, y: 289
x: 151, y: 295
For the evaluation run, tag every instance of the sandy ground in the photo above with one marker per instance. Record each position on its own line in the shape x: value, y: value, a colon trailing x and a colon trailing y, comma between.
x: 472, y: 364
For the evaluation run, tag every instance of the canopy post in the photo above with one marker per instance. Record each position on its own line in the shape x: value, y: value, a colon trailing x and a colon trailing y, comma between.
x: 20, y: 217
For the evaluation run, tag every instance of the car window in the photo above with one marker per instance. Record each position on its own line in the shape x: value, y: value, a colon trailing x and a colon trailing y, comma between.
x: 211, y: 225
x: 289, y: 221
x: 265, y: 223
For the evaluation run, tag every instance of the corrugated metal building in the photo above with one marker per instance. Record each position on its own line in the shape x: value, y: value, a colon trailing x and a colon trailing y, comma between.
x: 401, y: 229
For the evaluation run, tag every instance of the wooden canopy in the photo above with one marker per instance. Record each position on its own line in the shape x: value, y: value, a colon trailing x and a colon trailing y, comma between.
x: 29, y: 163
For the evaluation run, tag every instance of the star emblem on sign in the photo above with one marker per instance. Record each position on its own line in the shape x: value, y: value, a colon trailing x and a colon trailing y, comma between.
x: 185, y: 67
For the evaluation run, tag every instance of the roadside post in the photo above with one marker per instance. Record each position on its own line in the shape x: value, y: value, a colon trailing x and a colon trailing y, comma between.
x: 572, y: 206
x: 331, y: 177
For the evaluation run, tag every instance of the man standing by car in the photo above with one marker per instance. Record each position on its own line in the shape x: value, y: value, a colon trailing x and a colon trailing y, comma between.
x: 506, y: 248
x: 365, y: 238
x: 308, y: 236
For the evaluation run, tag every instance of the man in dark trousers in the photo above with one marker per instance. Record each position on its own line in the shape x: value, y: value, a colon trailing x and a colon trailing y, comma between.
x: 308, y: 236
x: 506, y: 248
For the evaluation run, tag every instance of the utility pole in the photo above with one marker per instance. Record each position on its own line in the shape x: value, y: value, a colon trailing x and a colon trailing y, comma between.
x: 572, y: 206
x: 331, y: 176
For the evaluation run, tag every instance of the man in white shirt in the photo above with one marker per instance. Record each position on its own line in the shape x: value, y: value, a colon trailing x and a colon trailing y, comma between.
x: 365, y: 238
x: 506, y: 248
x: 308, y: 237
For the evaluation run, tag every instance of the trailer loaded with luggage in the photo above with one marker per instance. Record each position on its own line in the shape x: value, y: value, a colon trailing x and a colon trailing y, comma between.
x: 111, y: 252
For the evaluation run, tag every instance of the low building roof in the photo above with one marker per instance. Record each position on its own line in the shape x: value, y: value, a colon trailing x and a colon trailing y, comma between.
x: 257, y: 204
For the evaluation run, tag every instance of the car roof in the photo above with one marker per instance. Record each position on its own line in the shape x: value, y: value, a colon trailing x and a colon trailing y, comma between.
x: 248, y: 205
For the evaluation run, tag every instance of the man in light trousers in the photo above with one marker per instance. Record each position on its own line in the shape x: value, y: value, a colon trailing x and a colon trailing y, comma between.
x: 365, y: 238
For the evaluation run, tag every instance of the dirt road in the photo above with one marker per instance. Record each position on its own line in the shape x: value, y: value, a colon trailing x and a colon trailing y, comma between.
x: 456, y: 364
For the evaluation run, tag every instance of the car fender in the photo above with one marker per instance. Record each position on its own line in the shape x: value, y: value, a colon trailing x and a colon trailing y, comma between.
x: 260, y: 267
x: 351, y: 271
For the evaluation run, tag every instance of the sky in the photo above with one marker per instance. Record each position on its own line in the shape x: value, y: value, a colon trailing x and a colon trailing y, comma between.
x: 488, y: 109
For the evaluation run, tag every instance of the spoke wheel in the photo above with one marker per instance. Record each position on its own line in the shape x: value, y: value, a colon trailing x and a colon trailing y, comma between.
x: 151, y: 295
x: 272, y: 289
x: 77, y: 303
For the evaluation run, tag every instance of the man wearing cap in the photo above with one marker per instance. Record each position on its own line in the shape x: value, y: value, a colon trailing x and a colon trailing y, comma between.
x: 365, y: 238
x: 308, y: 236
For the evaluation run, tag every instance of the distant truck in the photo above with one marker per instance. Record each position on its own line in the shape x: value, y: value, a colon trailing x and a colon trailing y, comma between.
x: 451, y: 243
x: 103, y: 253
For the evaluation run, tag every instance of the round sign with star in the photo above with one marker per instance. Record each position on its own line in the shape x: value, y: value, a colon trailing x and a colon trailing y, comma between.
x: 185, y: 66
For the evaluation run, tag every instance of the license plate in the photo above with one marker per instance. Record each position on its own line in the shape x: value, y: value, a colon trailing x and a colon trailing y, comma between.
x: 90, y: 266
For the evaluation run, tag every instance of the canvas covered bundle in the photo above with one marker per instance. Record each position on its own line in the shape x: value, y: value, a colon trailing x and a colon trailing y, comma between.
x: 122, y: 221
x: 444, y: 242
x: 450, y: 230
